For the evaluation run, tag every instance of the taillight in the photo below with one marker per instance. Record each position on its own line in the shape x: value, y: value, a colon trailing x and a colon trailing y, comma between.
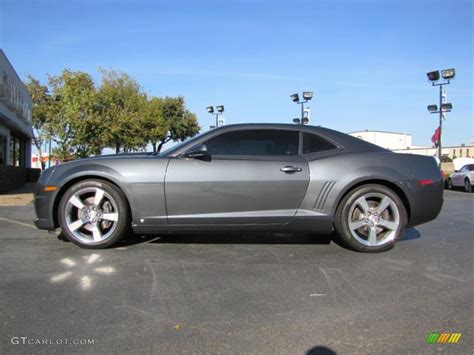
x: 425, y: 182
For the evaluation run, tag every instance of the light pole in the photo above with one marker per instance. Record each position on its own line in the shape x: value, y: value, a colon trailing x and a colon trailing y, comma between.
x: 307, y: 95
x: 444, y: 107
x: 219, y: 111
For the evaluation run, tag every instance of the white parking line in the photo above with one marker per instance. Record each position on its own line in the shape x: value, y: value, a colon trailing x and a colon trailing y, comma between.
x: 17, y: 222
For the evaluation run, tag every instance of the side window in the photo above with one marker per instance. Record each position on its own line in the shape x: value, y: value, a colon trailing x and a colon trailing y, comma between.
x: 255, y: 142
x: 313, y: 144
x: 471, y: 167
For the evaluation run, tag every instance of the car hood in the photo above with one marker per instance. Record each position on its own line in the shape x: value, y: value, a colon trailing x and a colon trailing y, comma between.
x: 112, y: 157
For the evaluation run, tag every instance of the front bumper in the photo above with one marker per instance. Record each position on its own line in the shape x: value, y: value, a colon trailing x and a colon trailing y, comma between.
x: 43, y: 202
x: 44, y: 223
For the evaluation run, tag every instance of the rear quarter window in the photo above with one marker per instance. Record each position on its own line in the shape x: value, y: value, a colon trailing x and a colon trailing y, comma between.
x: 314, y: 144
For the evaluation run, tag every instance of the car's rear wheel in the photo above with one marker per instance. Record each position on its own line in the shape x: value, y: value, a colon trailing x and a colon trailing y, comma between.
x: 467, y: 185
x: 94, y: 214
x: 370, y: 218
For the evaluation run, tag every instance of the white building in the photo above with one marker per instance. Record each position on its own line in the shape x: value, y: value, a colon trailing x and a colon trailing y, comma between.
x: 387, y: 140
x: 458, y: 151
x: 36, y: 161
x: 402, y: 143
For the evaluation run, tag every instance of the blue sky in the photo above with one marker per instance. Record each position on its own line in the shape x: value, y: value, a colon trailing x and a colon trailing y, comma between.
x: 366, y: 61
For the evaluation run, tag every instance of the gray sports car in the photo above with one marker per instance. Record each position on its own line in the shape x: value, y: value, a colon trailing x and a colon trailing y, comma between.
x: 245, y: 177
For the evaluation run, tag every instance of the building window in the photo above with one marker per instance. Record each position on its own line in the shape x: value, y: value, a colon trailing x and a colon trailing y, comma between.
x: 3, y: 150
x: 13, y: 152
x: 17, y: 152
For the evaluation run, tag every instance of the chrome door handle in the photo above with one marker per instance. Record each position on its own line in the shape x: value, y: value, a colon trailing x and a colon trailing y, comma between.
x: 290, y: 169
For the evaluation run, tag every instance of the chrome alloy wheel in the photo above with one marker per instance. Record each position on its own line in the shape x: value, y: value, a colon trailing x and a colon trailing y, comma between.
x: 374, y: 219
x: 91, y: 215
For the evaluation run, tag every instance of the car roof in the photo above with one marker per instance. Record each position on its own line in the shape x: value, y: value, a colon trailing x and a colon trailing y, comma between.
x: 268, y: 126
x: 286, y: 126
x: 342, y: 140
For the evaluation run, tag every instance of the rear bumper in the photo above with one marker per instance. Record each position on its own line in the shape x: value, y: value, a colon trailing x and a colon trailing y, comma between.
x: 425, y: 203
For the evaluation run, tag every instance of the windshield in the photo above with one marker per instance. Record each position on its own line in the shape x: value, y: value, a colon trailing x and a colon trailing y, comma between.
x: 181, y: 144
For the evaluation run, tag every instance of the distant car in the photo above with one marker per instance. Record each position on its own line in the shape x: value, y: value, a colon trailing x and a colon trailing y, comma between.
x: 445, y: 178
x: 245, y: 177
x: 462, y: 178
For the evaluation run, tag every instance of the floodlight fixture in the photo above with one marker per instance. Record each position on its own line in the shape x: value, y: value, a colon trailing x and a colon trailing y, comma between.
x: 219, y: 110
x: 433, y: 75
x: 447, y: 107
x: 432, y: 108
x: 448, y: 74
x: 295, y: 97
x: 307, y: 95
x: 296, y: 120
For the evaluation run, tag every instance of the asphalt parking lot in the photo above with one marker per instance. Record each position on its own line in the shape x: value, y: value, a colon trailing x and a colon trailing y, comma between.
x: 238, y: 293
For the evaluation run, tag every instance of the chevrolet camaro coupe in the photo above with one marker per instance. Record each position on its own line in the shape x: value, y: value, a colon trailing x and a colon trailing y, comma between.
x: 270, y: 177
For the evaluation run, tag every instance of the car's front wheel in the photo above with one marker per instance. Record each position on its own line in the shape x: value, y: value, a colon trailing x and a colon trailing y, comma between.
x: 370, y: 218
x: 467, y: 185
x: 94, y: 214
x: 450, y: 184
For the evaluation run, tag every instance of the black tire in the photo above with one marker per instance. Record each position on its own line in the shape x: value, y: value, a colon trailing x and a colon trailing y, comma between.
x: 449, y: 184
x: 117, y: 206
x: 347, y: 204
x: 467, y: 185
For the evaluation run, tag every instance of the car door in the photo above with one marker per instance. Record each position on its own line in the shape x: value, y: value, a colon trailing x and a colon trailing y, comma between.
x: 457, y: 178
x: 254, y: 176
x: 470, y: 172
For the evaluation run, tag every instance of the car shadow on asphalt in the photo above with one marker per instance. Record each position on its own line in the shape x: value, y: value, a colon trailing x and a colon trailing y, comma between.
x: 220, y: 238
x: 410, y: 234
x: 241, y: 238
x: 250, y: 238
x: 320, y: 350
x: 229, y: 238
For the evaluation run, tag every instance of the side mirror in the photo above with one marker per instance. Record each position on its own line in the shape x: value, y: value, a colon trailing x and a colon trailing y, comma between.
x: 456, y: 171
x: 199, y: 151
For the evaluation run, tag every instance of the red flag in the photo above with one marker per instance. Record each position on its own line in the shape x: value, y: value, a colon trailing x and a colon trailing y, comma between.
x: 436, y: 136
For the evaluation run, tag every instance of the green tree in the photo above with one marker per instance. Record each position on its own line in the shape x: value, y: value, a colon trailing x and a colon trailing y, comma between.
x: 120, y: 105
x: 180, y: 123
x: 73, y: 119
x: 83, y: 119
x: 153, y: 123
x: 41, y: 106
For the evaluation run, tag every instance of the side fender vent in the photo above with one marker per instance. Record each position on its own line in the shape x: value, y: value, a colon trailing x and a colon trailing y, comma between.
x: 323, y: 195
